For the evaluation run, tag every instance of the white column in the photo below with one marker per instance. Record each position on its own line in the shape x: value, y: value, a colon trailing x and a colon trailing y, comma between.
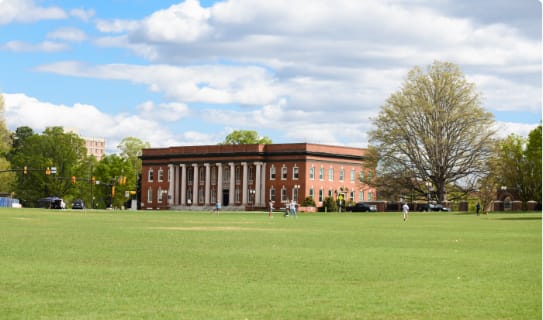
x: 175, y: 196
x: 232, y: 183
x: 195, y: 185
x: 258, y: 201
x: 263, y: 174
x: 244, y: 184
x: 171, y: 182
x: 219, y: 183
x: 183, y: 184
x: 208, y: 184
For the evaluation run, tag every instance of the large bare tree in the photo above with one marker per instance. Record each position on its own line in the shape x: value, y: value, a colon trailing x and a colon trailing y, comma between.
x: 433, y: 132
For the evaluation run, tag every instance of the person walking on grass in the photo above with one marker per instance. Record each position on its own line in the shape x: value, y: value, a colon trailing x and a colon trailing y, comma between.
x: 405, y: 211
x: 477, y: 208
x: 270, y: 208
x: 293, y: 208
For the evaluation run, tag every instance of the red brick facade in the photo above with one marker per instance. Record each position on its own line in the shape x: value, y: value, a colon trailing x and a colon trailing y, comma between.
x: 245, y: 176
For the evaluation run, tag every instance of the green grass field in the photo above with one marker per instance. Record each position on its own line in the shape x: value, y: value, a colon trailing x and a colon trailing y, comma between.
x: 181, y: 265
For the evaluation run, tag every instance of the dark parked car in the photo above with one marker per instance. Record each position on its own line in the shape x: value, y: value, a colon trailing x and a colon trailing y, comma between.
x: 433, y: 207
x: 78, y: 204
x: 362, y: 207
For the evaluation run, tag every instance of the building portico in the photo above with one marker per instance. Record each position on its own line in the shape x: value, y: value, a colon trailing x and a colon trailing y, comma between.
x: 247, y: 176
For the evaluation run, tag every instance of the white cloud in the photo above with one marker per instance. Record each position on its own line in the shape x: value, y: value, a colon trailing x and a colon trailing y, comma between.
x: 82, y: 14
x: 184, y: 22
x: 167, y: 112
x: 207, y: 83
x: 45, y: 46
x: 68, y: 34
x: 88, y: 120
x: 504, y: 129
x: 26, y: 11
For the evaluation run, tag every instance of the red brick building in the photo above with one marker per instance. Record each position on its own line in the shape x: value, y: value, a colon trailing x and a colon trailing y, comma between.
x: 241, y: 177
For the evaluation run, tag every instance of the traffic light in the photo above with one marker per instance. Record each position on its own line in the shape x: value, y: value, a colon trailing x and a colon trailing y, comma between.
x: 73, y: 179
x: 112, y: 191
x: 25, y: 170
x: 47, y: 171
x: 93, y: 180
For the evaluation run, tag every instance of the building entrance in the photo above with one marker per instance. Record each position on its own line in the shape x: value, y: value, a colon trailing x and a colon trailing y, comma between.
x: 225, y: 197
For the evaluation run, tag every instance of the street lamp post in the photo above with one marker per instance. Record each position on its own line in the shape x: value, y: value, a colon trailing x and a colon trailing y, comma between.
x: 295, y: 195
x: 429, y: 187
x: 252, y: 193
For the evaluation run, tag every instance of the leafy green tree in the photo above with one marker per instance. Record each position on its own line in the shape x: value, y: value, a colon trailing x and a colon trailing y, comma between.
x: 432, y: 130
x: 245, y: 137
x: 519, y: 165
x: 8, y: 178
x: 52, y: 149
x: 116, y: 175
x: 533, y: 157
x: 130, y: 149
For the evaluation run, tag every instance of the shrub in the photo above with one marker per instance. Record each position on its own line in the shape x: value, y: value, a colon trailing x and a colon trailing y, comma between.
x: 308, y: 202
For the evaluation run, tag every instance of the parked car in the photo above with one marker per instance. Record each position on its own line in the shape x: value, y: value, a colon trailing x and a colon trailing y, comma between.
x: 78, y: 204
x: 362, y: 207
x: 433, y: 207
x: 51, y: 203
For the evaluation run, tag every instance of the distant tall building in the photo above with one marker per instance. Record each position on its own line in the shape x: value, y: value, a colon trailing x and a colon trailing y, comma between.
x: 95, y: 147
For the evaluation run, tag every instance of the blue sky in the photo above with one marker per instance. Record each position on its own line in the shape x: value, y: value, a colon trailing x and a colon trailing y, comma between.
x: 189, y: 72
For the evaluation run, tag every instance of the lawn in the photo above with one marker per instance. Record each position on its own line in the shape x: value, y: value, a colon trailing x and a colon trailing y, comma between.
x: 195, y: 265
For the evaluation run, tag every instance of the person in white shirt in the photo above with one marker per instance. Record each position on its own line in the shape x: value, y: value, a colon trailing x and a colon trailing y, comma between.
x: 405, y: 211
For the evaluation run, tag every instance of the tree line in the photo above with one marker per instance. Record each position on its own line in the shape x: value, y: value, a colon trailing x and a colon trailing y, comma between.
x: 55, y: 163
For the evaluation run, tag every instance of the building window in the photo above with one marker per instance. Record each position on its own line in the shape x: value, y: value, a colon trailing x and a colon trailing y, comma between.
x: 201, y: 195
x: 213, y: 196
x: 272, y: 194
x: 330, y: 193
x: 189, y: 196
x: 312, y: 173
x: 238, y: 174
x: 190, y: 176
x: 330, y: 174
x: 201, y: 176
x: 353, y: 174
x: 272, y: 172
x: 150, y: 195
x: 251, y: 174
x: 351, y: 196
x: 312, y: 193
x: 361, y: 196
x: 341, y: 174
x: 370, y: 196
x: 237, y: 195
x: 213, y: 177
x: 284, y: 195
x: 150, y: 175
x: 226, y: 178
x: 295, y: 192
x: 361, y: 175
x: 295, y: 173
x: 321, y: 195
x: 321, y: 173
x: 284, y: 173
x: 160, y: 175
